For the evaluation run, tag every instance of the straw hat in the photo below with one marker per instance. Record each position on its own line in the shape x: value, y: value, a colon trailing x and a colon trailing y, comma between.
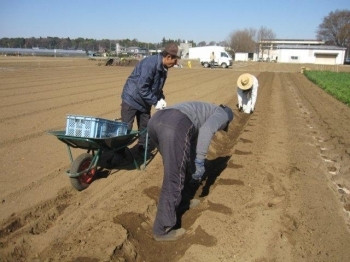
x: 245, y: 81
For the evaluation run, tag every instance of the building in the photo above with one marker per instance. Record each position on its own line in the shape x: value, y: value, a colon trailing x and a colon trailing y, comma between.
x: 184, y: 49
x: 42, y: 52
x: 326, y: 55
x: 300, y: 51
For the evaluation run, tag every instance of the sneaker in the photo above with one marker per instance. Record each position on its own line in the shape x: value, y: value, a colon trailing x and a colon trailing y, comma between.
x: 171, y: 236
x: 194, y: 203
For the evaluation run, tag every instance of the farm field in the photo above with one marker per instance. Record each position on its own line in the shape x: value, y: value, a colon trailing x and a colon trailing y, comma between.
x: 278, y: 185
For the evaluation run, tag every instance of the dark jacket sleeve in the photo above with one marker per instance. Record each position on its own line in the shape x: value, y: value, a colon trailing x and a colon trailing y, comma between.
x: 145, y: 84
x: 144, y: 87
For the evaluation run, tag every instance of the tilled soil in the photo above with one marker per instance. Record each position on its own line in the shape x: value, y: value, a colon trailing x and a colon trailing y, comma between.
x: 276, y: 188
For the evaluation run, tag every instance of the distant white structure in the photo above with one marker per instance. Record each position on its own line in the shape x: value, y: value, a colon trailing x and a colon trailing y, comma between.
x: 35, y: 51
x: 300, y: 51
x: 326, y: 55
x: 241, y: 57
x: 184, y: 48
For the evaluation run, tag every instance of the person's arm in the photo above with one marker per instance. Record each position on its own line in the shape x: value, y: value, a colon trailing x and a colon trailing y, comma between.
x: 239, y: 97
x: 214, y: 123
x: 206, y: 133
x: 254, y: 93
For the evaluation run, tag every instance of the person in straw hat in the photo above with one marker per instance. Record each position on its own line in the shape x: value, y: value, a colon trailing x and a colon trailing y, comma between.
x: 247, y: 92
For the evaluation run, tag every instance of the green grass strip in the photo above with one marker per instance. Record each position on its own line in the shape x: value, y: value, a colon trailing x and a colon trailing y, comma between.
x: 336, y: 84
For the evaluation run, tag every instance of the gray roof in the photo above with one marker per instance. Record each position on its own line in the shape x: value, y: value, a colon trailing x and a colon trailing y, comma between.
x: 316, y: 47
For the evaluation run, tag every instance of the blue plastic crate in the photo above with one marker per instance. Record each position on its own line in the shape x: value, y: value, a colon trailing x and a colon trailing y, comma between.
x: 93, y: 127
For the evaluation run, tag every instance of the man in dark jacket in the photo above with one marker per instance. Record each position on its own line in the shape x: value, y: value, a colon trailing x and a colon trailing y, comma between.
x: 144, y: 89
x: 182, y: 133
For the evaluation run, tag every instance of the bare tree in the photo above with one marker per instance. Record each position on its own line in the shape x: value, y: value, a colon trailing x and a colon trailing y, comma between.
x: 212, y: 43
x: 264, y: 37
x: 265, y: 34
x: 223, y: 43
x: 202, y: 43
x: 242, y: 40
x: 335, y: 28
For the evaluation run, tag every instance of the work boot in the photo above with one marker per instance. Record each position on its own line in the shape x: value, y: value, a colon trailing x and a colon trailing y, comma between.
x: 184, y: 206
x: 173, y: 235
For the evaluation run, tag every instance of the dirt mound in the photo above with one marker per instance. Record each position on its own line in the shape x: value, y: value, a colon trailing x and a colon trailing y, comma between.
x: 121, y: 62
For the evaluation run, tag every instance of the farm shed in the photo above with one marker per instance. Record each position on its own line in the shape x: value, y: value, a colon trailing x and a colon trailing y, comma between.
x: 245, y: 56
x: 326, y: 55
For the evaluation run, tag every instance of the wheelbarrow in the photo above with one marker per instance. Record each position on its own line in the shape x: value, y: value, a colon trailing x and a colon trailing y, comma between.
x: 84, y: 167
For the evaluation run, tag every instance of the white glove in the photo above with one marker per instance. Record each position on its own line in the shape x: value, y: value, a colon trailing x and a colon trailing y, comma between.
x: 161, y: 104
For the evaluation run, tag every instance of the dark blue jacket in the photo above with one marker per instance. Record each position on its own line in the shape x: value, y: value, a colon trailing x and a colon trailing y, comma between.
x: 144, y: 87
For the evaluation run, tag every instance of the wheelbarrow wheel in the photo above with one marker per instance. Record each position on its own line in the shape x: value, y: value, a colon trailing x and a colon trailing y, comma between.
x: 81, y: 163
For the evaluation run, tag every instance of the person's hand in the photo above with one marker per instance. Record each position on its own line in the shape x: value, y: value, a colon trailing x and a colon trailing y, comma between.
x: 200, y: 169
x: 163, y: 103
x: 158, y: 106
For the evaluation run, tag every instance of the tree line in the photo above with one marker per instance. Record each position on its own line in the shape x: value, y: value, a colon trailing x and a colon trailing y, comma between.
x: 334, y: 30
x: 80, y: 43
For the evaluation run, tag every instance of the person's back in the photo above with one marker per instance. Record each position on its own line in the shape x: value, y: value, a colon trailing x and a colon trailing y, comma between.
x: 247, y: 92
x: 182, y: 133
x: 197, y: 112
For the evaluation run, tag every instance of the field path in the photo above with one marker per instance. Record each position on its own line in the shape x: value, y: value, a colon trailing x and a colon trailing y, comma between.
x: 277, y: 185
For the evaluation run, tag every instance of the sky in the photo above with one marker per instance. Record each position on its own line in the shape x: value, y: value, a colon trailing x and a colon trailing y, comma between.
x: 150, y: 20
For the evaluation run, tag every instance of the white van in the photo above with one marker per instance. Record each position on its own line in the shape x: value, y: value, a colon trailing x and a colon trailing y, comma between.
x: 222, y: 58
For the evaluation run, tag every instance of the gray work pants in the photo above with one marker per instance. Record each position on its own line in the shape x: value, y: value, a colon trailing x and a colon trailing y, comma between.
x: 129, y: 113
x: 172, y: 132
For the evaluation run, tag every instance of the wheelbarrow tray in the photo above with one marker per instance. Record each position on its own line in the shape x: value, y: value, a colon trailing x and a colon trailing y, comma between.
x: 105, y: 144
x: 84, y: 167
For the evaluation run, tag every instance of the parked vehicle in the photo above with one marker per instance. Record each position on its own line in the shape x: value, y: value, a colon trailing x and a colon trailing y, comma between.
x: 272, y: 58
x: 222, y: 58
x: 265, y: 58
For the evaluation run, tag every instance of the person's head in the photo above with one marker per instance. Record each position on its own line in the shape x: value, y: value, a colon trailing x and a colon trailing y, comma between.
x: 230, y: 116
x: 170, y: 55
x: 245, y: 82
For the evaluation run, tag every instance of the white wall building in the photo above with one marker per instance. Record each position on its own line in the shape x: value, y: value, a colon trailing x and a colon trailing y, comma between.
x: 301, y: 51
x: 184, y: 48
x: 326, y: 55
